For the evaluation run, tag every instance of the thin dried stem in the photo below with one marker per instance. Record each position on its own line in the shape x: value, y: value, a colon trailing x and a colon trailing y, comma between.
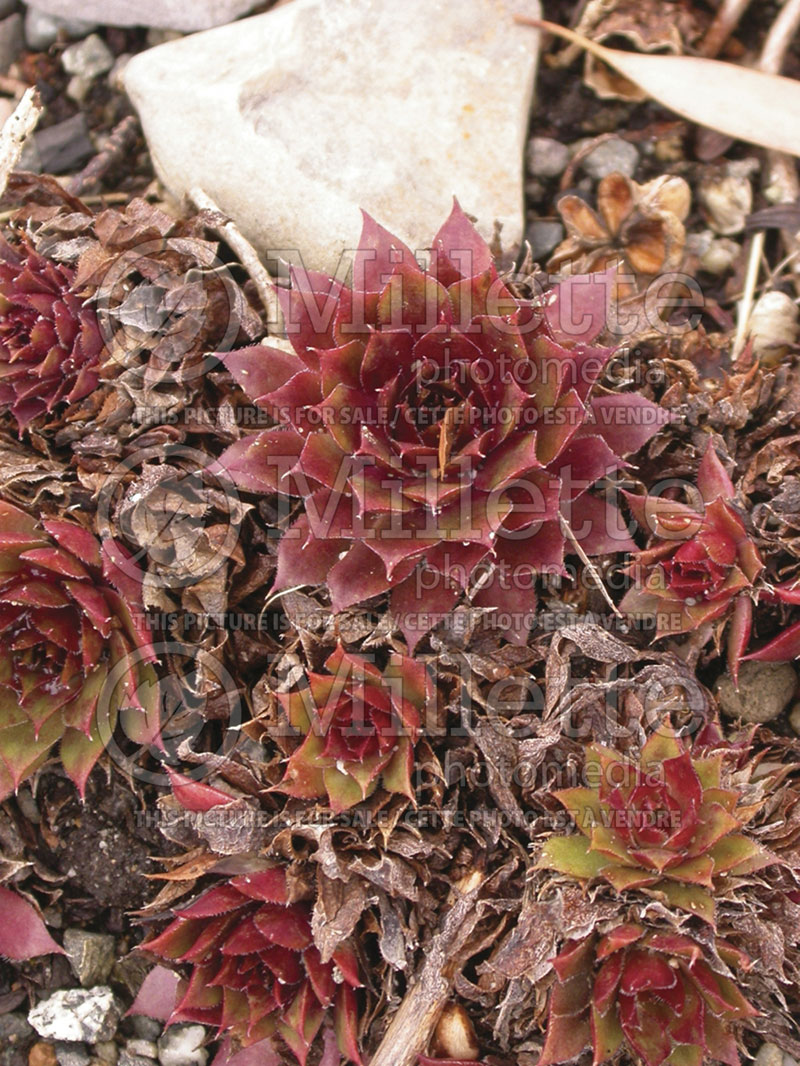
x: 745, y: 308
x: 566, y: 529
x: 412, y: 1026
x: 781, y: 34
x: 18, y: 127
x: 247, y: 254
x: 725, y: 22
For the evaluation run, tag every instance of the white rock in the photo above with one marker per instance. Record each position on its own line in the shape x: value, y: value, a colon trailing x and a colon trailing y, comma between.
x: 293, y: 120
x: 88, y: 58
x: 182, y: 1045
x: 42, y: 29
x: 188, y: 15
x: 147, y: 1049
x: 774, y: 323
x: 77, y: 1014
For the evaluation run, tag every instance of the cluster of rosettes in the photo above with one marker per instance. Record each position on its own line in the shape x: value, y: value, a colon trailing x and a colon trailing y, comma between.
x: 701, y: 566
x: 664, y: 824
x: 439, y: 428
x: 359, y: 725
x: 73, y: 653
x: 255, y: 971
x: 656, y: 993
x: 50, y: 342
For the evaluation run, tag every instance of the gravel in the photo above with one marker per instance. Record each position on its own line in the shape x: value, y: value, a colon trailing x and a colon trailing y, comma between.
x: 764, y: 691
x: 614, y: 156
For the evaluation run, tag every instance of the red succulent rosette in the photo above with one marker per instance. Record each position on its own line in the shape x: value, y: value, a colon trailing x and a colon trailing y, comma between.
x: 73, y: 650
x: 665, y: 824
x: 702, y: 564
x: 254, y: 969
x: 50, y: 341
x: 661, y: 996
x: 439, y: 428
x: 359, y: 725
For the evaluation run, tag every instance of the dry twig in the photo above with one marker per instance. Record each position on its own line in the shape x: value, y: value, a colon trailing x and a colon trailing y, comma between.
x: 248, y: 257
x: 119, y: 142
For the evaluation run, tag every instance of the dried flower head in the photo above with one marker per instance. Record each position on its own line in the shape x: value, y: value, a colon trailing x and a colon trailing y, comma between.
x: 702, y: 564
x: 255, y: 971
x: 72, y: 652
x: 660, y: 995
x: 359, y: 725
x: 637, y: 226
x: 437, y: 430
x: 664, y: 824
x: 50, y: 342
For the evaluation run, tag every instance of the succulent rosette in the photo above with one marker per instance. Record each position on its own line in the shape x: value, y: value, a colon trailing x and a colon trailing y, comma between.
x: 701, y: 566
x: 73, y: 653
x: 439, y: 428
x: 664, y: 824
x: 660, y: 995
x: 254, y: 969
x: 50, y: 342
x: 359, y: 725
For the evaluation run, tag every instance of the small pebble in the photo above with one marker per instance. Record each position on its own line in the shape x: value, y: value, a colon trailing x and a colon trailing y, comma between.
x: 183, y: 1046
x: 547, y: 158
x: 12, y: 41
x: 146, y: 1028
x: 77, y: 1014
x: 71, y: 1054
x: 794, y: 718
x: 727, y: 197
x: 89, y: 58
x: 614, y: 156
x: 42, y: 30
x: 768, y: 1055
x: 543, y: 235
x: 774, y: 325
x: 91, y: 955
x: 106, y: 1051
x: 126, y: 1059
x: 148, y: 1049
x: 42, y: 1054
x: 7, y: 7
x: 116, y: 72
x: 764, y: 691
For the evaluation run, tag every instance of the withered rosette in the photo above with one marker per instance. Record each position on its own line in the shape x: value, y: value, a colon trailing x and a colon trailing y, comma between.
x: 439, y: 428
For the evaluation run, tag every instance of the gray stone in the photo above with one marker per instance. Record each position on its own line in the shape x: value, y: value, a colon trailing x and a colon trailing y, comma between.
x: 182, y: 1045
x: 106, y: 1051
x: 292, y: 129
x: 16, y: 1036
x: 764, y: 691
x: 768, y: 1055
x: 42, y: 29
x: 7, y: 7
x: 77, y: 1014
x: 91, y: 955
x: 146, y: 1028
x: 88, y: 58
x: 543, y: 235
x: 126, y: 1059
x: 187, y: 15
x: 794, y: 718
x: 547, y: 158
x: 12, y: 41
x: 148, y: 1049
x: 71, y: 1054
x: 614, y: 156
